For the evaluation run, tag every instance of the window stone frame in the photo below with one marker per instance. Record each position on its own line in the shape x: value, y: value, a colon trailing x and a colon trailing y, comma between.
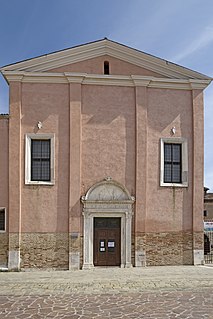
x: 44, y: 136
x: 184, y: 161
x: 5, y: 219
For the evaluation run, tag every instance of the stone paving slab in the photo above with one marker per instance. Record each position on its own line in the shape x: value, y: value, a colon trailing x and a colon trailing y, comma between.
x: 154, y: 292
x: 149, y: 305
x: 102, y: 280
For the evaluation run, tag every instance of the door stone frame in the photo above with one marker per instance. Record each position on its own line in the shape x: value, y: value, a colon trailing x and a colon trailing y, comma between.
x: 107, y: 198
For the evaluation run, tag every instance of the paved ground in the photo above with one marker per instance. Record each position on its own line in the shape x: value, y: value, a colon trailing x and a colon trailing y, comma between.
x: 153, y: 292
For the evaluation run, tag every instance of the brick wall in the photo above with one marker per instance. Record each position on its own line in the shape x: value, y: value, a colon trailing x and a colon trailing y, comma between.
x: 174, y: 248
x: 44, y: 250
x: 3, y: 249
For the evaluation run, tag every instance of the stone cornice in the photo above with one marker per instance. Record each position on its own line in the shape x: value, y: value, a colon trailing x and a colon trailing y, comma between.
x: 113, y: 80
x: 104, y: 47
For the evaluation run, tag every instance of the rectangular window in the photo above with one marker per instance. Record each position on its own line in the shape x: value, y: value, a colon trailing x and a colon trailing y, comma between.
x: 2, y: 219
x: 39, y: 159
x: 172, y: 163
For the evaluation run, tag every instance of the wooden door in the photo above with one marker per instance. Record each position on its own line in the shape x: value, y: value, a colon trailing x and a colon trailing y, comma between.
x: 107, y: 238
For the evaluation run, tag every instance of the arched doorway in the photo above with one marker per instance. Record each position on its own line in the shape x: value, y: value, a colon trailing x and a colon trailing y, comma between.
x: 107, y: 215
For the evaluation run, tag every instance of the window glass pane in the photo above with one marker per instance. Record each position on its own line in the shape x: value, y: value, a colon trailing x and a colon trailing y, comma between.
x: 36, y: 170
x: 36, y: 148
x: 40, y: 161
x: 45, y: 149
x: 167, y: 173
x: 176, y: 152
x: 176, y: 173
x: 167, y: 152
x: 45, y: 171
x: 172, y: 163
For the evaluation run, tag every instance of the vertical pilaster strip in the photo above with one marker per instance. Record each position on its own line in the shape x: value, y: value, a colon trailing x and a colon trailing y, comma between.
x: 75, y: 177
x: 88, y: 240
x: 141, y: 174
x: 198, y: 162
x: 14, y: 176
x: 128, y: 262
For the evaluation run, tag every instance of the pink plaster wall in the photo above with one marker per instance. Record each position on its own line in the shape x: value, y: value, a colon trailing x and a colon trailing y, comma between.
x: 4, y: 123
x: 107, y: 129
x: 108, y: 135
x: 96, y: 66
x: 168, y: 209
x: 45, y: 208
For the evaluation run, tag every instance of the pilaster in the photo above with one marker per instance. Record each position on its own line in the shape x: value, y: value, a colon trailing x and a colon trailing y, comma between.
x: 141, y: 174
x: 198, y: 163
x: 14, y: 176
x: 75, y: 177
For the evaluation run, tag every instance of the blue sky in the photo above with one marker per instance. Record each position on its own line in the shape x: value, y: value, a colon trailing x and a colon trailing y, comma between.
x: 180, y: 31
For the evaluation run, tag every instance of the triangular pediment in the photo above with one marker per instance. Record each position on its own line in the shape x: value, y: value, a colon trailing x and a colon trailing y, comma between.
x: 104, y: 47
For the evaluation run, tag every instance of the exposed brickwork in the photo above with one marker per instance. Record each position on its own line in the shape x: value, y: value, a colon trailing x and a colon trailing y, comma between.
x: 49, y: 250
x: 75, y: 243
x: 140, y: 242
x: 198, y: 239
x: 3, y: 249
x: 14, y: 241
x: 187, y: 249
x: 44, y: 250
x: 166, y: 248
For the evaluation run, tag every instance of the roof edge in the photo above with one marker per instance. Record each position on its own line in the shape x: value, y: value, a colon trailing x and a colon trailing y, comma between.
x: 100, y: 47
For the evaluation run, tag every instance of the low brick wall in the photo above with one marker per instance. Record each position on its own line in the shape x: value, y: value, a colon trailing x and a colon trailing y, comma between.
x: 174, y: 248
x: 45, y: 250
x: 51, y: 250
x: 3, y: 249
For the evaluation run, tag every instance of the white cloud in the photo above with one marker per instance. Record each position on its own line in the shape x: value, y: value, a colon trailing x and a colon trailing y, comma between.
x: 203, y: 40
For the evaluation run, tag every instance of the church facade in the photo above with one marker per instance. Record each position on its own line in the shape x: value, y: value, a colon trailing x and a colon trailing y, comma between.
x: 101, y: 161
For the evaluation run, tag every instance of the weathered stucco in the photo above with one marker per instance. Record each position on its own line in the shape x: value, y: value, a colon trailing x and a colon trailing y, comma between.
x: 49, y: 104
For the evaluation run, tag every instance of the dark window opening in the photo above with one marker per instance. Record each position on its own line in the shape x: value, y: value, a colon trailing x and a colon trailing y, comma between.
x: 205, y: 213
x: 2, y: 220
x: 172, y: 163
x: 106, y: 67
x: 207, y: 246
x: 40, y: 160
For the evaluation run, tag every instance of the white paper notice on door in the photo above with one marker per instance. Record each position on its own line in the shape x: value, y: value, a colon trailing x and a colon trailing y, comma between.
x: 111, y: 244
x: 102, y: 243
x: 102, y: 249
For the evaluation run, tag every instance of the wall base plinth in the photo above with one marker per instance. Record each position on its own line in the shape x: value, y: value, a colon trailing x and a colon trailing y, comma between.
x: 87, y: 266
x: 14, y: 260
x: 198, y: 255
x: 74, y: 261
x: 140, y: 258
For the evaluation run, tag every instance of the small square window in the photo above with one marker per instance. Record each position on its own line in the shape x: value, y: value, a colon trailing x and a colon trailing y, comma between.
x: 174, y: 162
x: 39, y: 159
x: 2, y: 219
